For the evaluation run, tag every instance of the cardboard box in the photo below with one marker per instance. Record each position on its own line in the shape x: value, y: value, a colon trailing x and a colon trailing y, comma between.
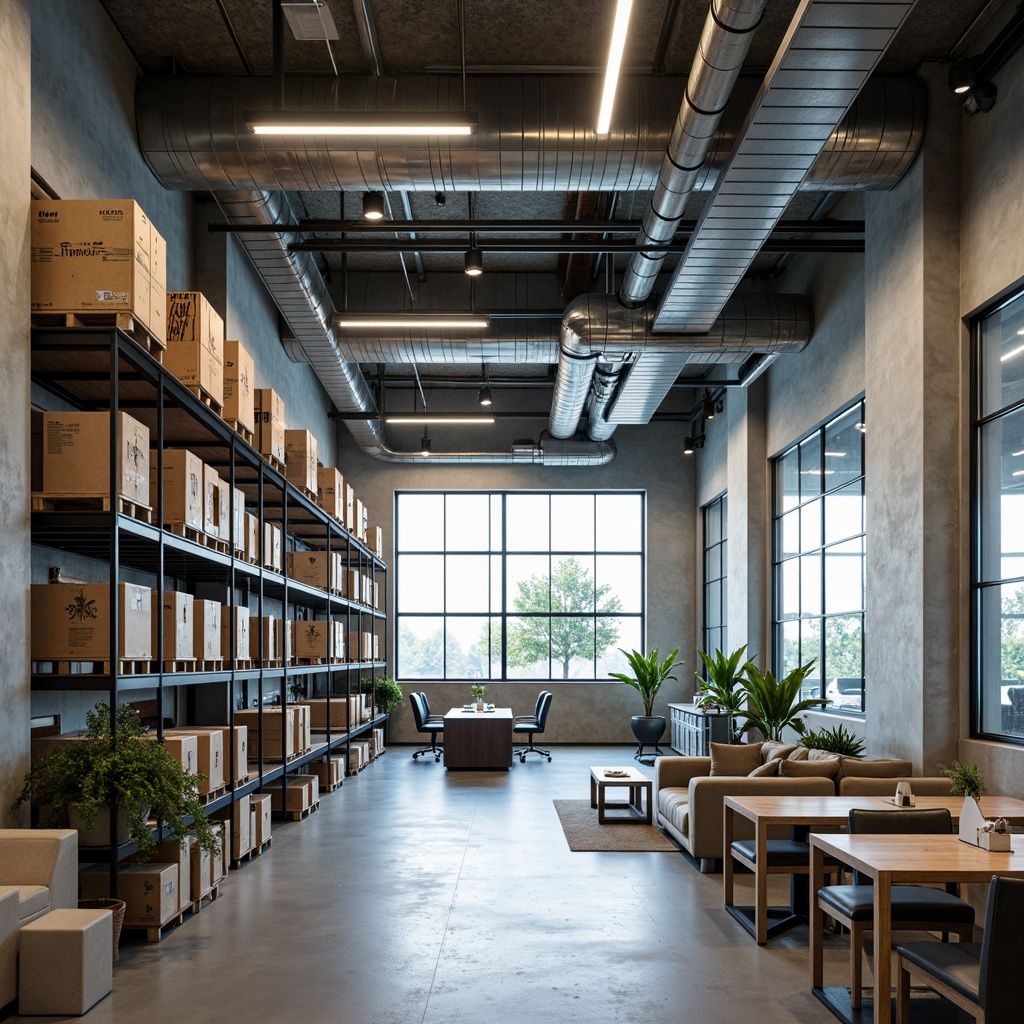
x: 97, y: 256
x: 301, y: 459
x: 206, y: 631
x: 270, y: 423
x: 360, y: 520
x: 350, y: 509
x: 318, y: 713
x: 300, y: 724
x: 239, y: 615
x: 241, y: 834
x: 278, y: 734
x: 329, y: 773
x: 71, y: 622
x: 44, y: 745
x: 261, y: 804
x: 239, y: 386
x: 223, y: 497
x: 376, y: 594
x: 316, y: 568
x: 268, y: 632
x: 150, y: 891
x: 375, y: 540
x: 175, y: 851
x: 330, y: 493
x: 178, y: 618
x: 352, y: 588
x: 211, y: 502
x: 183, y: 487
x: 360, y: 646
x: 240, y: 734
x: 303, y: 792
x: 338, y: 641
x: 200, y: 871
x: 272, y: 547
x: 238, y: 536
x: 76, y: 455
x: 210, y: 751
x: 311, y: 638
x: 195, y: 343
x: 252, y: 539
x: 366, y: 588
x: 185, y: 747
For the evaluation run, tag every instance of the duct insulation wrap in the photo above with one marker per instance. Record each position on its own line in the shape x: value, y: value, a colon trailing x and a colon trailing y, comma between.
x: 535, y: 133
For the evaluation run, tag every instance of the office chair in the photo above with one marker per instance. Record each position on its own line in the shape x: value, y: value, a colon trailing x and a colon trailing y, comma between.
x: 982, y: 978
x: 531, y: 724
x: 426, y: 723
x: 914, y: 907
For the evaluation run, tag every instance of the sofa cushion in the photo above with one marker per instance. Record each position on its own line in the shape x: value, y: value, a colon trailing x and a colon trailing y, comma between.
x: 798, y: 754
x: 33, y: 900
x: 769, y: 768
x: 735, y: 758
x: 772, y: 749
x: 817, y: 754
x: 824, y: 768
x: 876, y: 768
x: 674, y: 804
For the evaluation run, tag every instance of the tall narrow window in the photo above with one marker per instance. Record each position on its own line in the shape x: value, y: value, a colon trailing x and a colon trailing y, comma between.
x: 716, y: 598
x: 518, y: 584
x: 998, y: 592
x: 818, y: 560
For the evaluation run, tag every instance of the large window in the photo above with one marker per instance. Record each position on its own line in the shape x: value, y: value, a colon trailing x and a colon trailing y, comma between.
x: 818, y: 560
x: 999, y: 524
x: 716, y: 597
x: 518, y: 584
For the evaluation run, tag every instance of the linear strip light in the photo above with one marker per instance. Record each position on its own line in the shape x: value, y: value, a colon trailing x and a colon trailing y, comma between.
x: 419, y: 417
x: 611, y: 77
x: 447, y: 321
x: 271, y: 122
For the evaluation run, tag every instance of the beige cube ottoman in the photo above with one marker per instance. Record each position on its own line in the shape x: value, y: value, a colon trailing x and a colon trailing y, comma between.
x: 65, y: 964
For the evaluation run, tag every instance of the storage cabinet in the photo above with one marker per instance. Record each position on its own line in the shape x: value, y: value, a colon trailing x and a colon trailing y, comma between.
x: 692, y: 730
x: 100, y: 369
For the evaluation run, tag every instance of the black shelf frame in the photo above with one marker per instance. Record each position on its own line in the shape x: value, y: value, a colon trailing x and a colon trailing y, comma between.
x: 103, y: 369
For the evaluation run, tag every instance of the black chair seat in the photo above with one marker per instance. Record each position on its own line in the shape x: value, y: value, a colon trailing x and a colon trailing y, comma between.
x: 909, y: 903
x: 781, y: 852
x: 957, y: 964
x: 530, y: 726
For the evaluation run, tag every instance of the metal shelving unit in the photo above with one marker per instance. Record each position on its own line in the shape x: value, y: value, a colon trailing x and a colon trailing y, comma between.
x: 103, y: 369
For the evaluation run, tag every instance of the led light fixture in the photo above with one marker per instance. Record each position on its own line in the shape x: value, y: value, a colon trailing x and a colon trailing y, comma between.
x: 373, y: 205
x: 474, y: 265
x: 963, y: 75
x: 425, y: 445
x: 611, y: 77
x: 401, y: 321
x: 418, y: 417
x: 708, y: 405
x: 484, y: 397
x: 342, y: 122
x: 1012, y: 354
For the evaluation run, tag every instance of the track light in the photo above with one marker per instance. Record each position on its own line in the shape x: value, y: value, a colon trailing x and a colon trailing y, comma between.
x: 484, y: 397
x: 708, y: 406
x: 373, y: 205
x: 474, y: 265
x: 688, y: 446
x: 963, y: 75
x: 425, y: 445
x: 981, y: 99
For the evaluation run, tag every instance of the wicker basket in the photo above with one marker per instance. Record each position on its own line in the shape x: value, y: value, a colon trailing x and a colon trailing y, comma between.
x: 117, y: 908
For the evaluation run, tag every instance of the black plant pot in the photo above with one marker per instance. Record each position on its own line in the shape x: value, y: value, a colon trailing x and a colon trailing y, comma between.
x: 647, y: 731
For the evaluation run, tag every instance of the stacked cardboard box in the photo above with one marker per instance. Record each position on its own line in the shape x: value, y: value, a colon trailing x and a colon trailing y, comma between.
x: 261, y: 805
x: 99, y: 256
x: 201, y: 871
x: 331, y: 492
x: 183, y: 487
x: 277, y: 740
x: 316, y: 569
x: 149, y: 890
x: 252, y: 538
x: 302, y: 733
x: 272, y: 547
x: 330, y: 772
x: 210, y: 747
x: 71, y: 622
x: 195, y: 344
x: 267, y: 630
x: 237, y: 615
x: 342, y: 711
x: 175, y: 851
x: 185, y: 747
x: 303, y: 792
x: 178, y: 620
x: 301, y: 459
x: 360, y: 646
x: 206, y: 643
x: 312, y: 639
x: 375, y: 540
x: 239, y: 389
x: 270, y: 424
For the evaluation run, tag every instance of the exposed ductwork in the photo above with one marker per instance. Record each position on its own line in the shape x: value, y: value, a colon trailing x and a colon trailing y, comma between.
x: 724, y: 42
x: 597, y: 327
x: 535, y: 134
x: 299, y: 291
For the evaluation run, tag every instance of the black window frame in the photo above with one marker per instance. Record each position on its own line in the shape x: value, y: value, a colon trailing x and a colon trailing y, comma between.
x: 717, y: 636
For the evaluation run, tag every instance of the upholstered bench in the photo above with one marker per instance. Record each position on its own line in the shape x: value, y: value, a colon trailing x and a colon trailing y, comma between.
x: 65, y: 964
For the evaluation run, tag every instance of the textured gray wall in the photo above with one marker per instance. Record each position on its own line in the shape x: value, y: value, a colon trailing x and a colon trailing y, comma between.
x: 649, y: 458
x: 15, y: 85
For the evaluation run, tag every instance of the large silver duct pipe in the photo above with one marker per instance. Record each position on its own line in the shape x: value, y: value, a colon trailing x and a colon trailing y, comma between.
x: 728, y: 33
x: 597, y: 327
x: 536, y: 133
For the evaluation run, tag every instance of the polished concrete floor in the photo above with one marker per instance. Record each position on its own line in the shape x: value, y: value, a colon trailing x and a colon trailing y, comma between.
x: 416, y: 896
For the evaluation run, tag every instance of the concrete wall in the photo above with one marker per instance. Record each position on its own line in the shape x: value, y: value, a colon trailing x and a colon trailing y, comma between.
x: 648, y: 458
x: 15, y: 86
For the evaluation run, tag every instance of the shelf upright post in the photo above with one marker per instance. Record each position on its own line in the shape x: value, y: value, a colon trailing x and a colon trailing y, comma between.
x: 283, y: 690
x: 330, y: 633
x: 158, y: 654
x: 261, y: 484
x: 114, y: 572
x: 232, y: 625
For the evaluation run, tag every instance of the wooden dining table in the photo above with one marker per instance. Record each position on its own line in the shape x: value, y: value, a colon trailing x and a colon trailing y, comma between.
x: 896, y: 860
x: 805, y: 813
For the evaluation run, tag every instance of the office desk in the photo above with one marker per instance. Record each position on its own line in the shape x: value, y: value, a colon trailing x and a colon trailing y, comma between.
x: 478, y: 742
x: 896, y: 860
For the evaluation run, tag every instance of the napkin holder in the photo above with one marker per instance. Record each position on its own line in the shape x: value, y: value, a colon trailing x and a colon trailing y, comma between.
x: 993, y: 836
x: 904, y: 796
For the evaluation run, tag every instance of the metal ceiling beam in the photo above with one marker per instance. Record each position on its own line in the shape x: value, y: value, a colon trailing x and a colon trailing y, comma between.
x: 568, y: 245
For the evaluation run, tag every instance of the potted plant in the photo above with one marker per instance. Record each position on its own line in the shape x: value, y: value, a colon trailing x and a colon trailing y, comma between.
x: 836, y: 740
x: 126, y: 768
x: 478, y: 692
x: 720, y: 686
x: 965, y: 780
x: 387, y: 693
x: 648, y: 676
x: 773, y: 704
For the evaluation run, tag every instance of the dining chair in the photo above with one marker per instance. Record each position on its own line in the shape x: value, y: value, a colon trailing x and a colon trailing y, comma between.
x: 914, y: 907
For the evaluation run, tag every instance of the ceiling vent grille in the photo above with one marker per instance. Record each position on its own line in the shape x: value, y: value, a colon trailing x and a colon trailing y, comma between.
x: 310, y: 21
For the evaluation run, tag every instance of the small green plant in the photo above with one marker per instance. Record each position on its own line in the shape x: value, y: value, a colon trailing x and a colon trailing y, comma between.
x: 836, y: 740
x: 389, y: 694
x: 773, y: 704
x: 966, y: 779
x: 648, y: 674
x: 478, y: 691
x: 125, y: 767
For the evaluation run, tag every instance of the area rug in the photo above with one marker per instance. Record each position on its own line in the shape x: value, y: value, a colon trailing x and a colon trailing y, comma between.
x: 584, y: 834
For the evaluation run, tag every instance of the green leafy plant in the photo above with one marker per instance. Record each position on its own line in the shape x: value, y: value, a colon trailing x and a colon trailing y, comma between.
x: 722, y: 676
x: 648, y: 674
x: 478, y: 692
x: 965, y: 778
x: 127, y: 768
x: 389, y: 694
x: 836, y: 740
x: 773, y: 704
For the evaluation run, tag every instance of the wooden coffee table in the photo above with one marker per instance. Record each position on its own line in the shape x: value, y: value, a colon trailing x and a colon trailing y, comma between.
x: 635, y: 781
